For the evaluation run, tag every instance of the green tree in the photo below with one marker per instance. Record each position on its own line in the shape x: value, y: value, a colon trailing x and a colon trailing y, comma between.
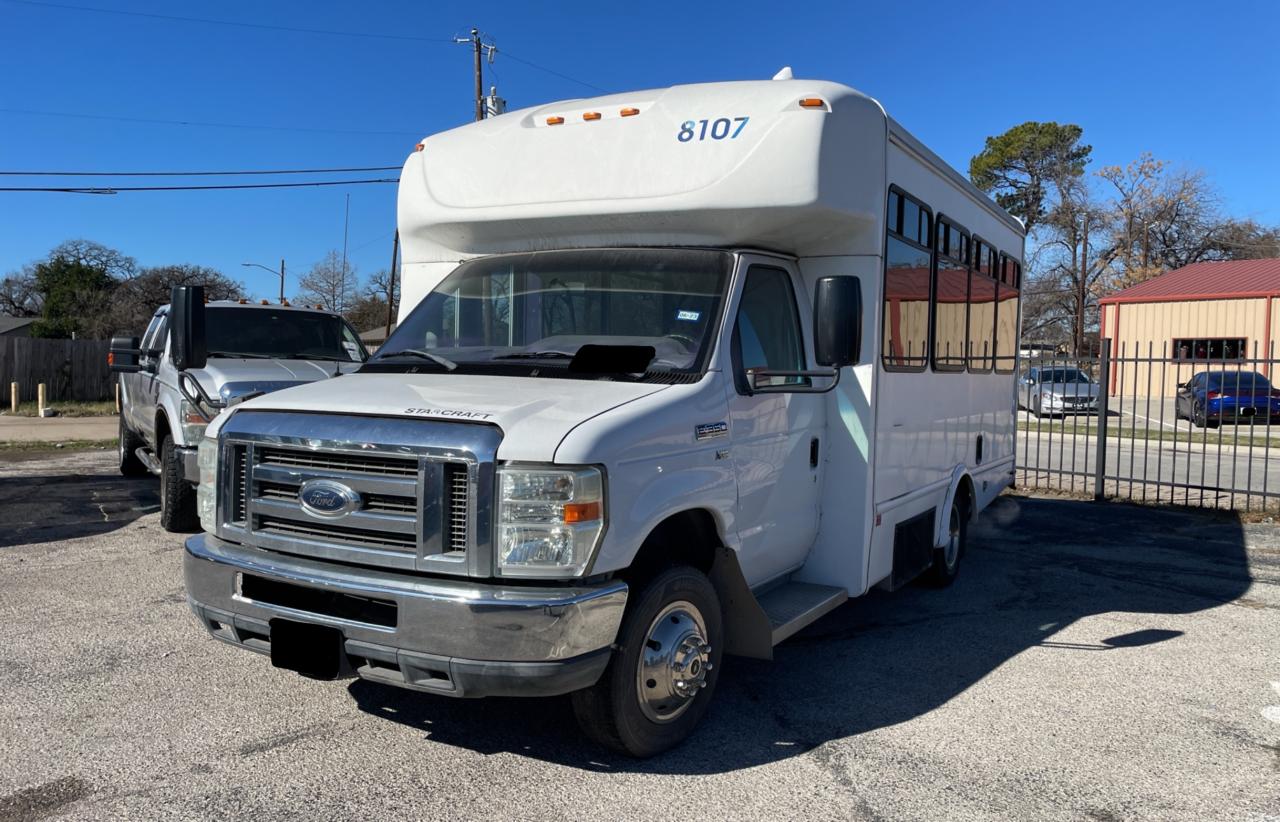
x: 73, y: 294
x: 1029, y: 167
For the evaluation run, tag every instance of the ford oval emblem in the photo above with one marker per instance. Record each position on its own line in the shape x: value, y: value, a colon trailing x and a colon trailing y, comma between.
x: 328, y: 499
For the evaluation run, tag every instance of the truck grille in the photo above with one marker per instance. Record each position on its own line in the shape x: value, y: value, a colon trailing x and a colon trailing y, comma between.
x: 403, y: 494
x: 397, y: 521
x: 349, y: 463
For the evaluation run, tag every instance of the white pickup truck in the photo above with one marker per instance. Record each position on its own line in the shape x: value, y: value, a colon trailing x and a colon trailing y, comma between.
x: 253, y: 348
x: 678, y: 371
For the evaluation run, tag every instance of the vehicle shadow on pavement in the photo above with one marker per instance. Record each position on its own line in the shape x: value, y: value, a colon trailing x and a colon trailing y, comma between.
x: 56, y: 507
x: 1034, y: 566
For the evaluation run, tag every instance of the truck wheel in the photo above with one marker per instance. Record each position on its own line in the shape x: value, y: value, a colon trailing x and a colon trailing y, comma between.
x: 664, y: 668
x: 946, y: 560
x: 128, y: 445
x: 177, y: 497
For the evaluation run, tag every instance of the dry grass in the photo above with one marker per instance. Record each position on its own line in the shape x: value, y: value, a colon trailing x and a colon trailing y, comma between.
x: 101, y: 408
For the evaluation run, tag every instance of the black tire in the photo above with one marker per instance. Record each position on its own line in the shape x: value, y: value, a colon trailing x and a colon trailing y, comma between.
x: 946, y: 560
x: 127, y: 447
x: 177, y: 496
x: 611, y: 711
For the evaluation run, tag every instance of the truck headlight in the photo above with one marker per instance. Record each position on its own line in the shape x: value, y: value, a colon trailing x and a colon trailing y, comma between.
x: 207, y: 489
x: 549, y: 520
x: 193, y: 423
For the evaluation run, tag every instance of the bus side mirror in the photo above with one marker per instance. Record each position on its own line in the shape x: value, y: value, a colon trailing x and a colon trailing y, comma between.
x: 837, y: 321
x: 186, y: 317
x: 122, y: 357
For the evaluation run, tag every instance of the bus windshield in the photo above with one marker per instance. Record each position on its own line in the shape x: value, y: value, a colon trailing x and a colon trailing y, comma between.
x: 283, y: 333
x: 541, y: 308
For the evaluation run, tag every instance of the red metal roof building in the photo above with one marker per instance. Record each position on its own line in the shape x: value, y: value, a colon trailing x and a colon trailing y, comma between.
x: 1191, y: 317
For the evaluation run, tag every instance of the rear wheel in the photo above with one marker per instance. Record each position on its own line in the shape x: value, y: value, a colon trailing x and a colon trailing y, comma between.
x: 177, y: 497
x: 127, y: 446
x: 946, y: 559
x: 663, y: 671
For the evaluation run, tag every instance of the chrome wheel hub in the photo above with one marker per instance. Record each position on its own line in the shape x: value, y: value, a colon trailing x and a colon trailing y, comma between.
x: 952, y: 552
x: 674, y: 662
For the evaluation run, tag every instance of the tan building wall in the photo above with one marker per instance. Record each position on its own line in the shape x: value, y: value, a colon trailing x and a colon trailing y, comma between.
x: 1149, y: 329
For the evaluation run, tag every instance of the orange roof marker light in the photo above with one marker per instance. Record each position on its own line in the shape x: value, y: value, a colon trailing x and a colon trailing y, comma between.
x: 813, y: 102
x: 555, y: 121
x: 243, y: 301
x: 629, y: 111
x: 419, y: 147
x: 266, y: 302
x: 591, y: 115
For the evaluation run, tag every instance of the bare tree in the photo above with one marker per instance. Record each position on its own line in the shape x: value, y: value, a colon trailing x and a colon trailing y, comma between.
x: 330, y: 283
x: 96, y: 256
x: 20, y: 295
x: 136, y: 299
x: 369, y: 310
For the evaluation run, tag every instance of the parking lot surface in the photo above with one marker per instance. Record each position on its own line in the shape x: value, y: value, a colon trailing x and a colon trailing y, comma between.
x: 1092, y: 661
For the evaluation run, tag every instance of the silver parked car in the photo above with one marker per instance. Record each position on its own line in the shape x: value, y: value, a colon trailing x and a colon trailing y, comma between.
x: 1058, y: 390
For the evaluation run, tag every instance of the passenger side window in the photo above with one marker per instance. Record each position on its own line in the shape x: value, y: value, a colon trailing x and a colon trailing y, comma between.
x: 907, y: 270
x: 767, y: 332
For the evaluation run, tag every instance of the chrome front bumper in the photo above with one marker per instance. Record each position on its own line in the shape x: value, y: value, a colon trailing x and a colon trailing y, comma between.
x: 450, y: 636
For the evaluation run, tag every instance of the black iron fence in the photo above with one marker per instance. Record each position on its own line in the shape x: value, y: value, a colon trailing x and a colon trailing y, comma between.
x: 1152, y: 424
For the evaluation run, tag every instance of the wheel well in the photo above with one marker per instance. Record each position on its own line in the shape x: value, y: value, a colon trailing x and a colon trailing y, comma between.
x: 965, y: 495
x: 162, y: 430
x: 686, y: 538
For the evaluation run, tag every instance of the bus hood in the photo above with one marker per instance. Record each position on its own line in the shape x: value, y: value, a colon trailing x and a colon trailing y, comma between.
x: 230, y: 378
x: 535, y: 414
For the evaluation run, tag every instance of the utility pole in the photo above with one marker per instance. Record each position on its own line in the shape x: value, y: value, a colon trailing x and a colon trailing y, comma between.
x: 475, y: 40
x: 480, y: 49
x: 391, y: 281
x: 346, y: 222
x: 282, y: 279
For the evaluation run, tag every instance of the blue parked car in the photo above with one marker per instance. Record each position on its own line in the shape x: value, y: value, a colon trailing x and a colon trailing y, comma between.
x: 1240, y: 396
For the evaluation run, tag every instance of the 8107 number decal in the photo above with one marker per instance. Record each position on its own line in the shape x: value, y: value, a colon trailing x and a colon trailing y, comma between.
x: 721, y: 129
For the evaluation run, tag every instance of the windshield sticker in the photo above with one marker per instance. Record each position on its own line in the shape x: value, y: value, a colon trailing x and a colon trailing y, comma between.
x: 689, y: 316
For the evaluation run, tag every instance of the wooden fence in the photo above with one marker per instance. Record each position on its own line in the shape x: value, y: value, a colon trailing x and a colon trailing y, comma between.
x: 72, y: 369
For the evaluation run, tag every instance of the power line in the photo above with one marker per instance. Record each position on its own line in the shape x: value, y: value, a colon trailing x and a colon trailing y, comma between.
x: 194, y: 173
x: 205, y: 20
x: 199, y: 123
x: 115, y: 189
x: 506, y: 53
x: 269, y: 27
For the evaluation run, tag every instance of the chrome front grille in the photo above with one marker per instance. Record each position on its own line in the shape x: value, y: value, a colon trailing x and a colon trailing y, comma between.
x: 456, y: 488
x: 415, y: 493
x: 347, y: 463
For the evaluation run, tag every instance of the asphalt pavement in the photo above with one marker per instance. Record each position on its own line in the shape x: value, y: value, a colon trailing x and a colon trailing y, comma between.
x: 1092, y: 661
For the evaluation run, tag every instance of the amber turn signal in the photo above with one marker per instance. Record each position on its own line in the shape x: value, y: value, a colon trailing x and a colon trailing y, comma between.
x: 813, y: 102
x: 581, y: 511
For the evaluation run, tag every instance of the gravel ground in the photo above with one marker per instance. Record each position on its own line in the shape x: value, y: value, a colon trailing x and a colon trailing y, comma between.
x: 1093, y: 661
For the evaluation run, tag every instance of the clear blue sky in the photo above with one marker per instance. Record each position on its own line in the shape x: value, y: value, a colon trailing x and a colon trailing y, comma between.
x: 1195, y: 83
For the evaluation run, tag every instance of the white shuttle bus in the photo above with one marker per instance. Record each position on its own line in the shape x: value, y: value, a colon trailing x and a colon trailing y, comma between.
x: 677, y: 372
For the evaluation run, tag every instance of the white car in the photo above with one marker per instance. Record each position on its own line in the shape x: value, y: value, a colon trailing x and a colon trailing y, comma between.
x: 1049, y: 390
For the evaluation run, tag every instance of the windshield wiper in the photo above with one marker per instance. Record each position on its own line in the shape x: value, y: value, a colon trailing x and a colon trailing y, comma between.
x: 536, y: 355
x: 447, y: 364
x: 241, y: 355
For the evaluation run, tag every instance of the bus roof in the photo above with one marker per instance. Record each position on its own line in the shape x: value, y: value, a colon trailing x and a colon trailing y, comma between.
x: 792, y: 165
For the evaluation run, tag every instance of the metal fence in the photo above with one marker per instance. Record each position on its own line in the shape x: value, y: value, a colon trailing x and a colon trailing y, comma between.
x: 1126, y: 425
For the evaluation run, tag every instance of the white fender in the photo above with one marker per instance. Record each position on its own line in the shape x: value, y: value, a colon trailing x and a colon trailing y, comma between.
x: 943, y: 514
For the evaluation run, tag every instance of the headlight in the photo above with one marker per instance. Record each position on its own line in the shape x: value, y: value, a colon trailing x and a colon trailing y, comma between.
x: 1050, y: 395
x: 193, y: 423
x: 549, y: 520
x: 207, y: 489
